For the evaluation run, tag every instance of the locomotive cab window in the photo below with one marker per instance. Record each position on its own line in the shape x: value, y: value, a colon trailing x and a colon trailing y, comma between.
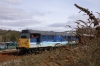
x: 24, y: 35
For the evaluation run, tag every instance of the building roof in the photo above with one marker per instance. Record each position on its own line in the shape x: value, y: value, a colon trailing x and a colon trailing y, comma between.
x: 49, y: 32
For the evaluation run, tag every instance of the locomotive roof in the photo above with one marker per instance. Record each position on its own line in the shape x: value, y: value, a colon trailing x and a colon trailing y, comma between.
x: 48, y: 32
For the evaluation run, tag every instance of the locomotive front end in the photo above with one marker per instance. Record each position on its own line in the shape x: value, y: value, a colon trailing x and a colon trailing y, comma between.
x: 24, y: 43
x: 24, y: 40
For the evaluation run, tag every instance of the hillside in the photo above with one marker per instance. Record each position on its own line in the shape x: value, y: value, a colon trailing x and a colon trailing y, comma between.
x: 9, y: 35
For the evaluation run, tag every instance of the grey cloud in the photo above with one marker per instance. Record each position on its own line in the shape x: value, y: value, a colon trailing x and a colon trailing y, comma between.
x: 74, y: 18
x: 77, y: 17
x: 13, y: 18
x: 81, y: 16
x: 19, y: 23
x: 72, y: 24
x: 45, y: 28
x: 49, y: 12
x: 58, y: 25
x: 38, y: 13
x: 10, y: 13
x: 12, y: 2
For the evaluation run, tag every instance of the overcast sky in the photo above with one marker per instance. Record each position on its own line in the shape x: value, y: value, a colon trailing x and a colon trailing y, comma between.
x: 51, y: 15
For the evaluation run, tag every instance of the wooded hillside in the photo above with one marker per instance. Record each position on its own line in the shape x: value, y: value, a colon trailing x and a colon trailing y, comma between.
x: 9, y: 35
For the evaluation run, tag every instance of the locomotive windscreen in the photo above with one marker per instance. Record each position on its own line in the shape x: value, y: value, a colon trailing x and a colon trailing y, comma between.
x: 25, y: 35
x: 25, y: 31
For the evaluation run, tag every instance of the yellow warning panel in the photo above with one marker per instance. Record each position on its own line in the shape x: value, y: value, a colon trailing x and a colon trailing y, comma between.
x: 24, y: 42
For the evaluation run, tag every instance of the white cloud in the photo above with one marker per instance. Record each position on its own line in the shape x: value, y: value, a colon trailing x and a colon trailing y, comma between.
x: 12, y: 2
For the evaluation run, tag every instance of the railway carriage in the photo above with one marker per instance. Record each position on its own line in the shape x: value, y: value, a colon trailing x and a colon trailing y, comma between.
x: 30, y: 39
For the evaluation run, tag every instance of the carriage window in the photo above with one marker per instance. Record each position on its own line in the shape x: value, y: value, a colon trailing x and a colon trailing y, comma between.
x: 49, y: 37
x: 69, y: 37
x: 43, y: 36
x: 34, y: 35
x: 52, y: 36
x: 64, y: 36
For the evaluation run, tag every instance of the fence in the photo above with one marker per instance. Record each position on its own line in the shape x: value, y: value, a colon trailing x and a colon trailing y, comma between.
x: 11, y: 45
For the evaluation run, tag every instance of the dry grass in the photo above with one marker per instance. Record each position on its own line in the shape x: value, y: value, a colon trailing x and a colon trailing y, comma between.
x: 76, y: 55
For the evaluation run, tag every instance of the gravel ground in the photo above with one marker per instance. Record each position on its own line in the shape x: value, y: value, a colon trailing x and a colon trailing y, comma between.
x: 6, y: 55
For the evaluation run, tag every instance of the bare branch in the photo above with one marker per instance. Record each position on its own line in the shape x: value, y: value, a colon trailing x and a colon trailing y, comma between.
x: 89, y: 13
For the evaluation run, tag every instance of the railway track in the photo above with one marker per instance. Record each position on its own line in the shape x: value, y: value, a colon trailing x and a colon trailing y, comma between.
x: 7, y: 50
x: 10, y: 54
